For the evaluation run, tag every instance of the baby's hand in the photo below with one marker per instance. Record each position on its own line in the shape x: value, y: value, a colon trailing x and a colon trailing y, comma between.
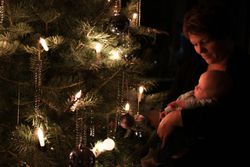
x: 173, y: 104
x: 163, y: 114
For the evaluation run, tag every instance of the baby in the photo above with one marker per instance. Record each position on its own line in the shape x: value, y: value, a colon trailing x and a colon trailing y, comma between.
x: 212, y: 85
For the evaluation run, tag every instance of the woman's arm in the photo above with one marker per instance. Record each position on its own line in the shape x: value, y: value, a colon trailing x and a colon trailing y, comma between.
x: 167, y: 125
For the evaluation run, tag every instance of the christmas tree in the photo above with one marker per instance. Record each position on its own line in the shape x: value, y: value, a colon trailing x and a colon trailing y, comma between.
x: 68, y: 69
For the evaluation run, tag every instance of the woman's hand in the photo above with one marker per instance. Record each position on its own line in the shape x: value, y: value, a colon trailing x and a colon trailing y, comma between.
x: 167, y: 125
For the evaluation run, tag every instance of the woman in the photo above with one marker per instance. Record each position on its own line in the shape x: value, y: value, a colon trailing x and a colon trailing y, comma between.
x: 208, y: 28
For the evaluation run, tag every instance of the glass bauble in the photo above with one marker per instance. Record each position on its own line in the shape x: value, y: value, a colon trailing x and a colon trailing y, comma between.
x: 119, y: 24
x: 81, y: 157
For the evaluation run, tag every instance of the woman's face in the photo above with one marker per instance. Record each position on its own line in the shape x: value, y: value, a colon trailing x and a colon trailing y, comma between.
x: 212, y: 51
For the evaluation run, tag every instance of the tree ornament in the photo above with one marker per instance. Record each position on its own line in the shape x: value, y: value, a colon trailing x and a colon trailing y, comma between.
x: 119, y: 24
x: 127, y: 121
x: 135, y: 19
x: 140, y: 125
x: 129, y: 57
x: 81, y: 157
x: 1, y: 11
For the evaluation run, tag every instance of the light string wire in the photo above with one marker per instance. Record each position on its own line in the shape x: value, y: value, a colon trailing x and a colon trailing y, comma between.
x: 18, y: 104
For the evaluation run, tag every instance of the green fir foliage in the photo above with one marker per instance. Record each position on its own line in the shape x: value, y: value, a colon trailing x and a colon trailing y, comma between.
x: 71, y: 28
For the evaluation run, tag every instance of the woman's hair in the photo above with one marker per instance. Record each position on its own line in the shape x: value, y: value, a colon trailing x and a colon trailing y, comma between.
x: 211, y: 20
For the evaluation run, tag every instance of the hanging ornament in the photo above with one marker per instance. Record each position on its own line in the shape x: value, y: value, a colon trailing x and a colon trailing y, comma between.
x: 140, y: 125
x: 118, y: 23
x: 129, y: 56
x: 81, y: 157
x: 135, y: 18
x: 139, y: 13
x: 1, y: 12
x: 92, y: 124
x: 127, y: 44
x: 127, y: 121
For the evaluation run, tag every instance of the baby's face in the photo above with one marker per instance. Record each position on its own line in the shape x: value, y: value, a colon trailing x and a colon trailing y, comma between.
x: 205, y: 88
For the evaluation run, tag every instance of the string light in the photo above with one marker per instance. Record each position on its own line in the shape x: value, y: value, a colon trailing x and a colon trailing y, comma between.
x: 117, y: 7
x: 141, y: 89
x: 109, y: 144
x: 44, y: 44
x: 101, y: 146
x: 115, y: 55
x: 40, y: 135
x: 134, y: 19
x: 76, y: 100
x: 136, y: 16
x: 78, y: 95
x: 98, y: 47
x: 127, y: 107
x: 140, y: 93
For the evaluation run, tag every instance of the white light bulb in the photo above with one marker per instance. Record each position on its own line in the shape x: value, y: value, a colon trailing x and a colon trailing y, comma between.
x: 109, y: 144
x: 127, y: 107
x: 98, y: 47
x: 78, y: 95
x: 141, y: 89
x: 115, y: 55
x: 44, y: 44
x: 40, y: 137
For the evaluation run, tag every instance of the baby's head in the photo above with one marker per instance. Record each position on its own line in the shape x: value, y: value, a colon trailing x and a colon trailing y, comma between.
x: 213, y: 84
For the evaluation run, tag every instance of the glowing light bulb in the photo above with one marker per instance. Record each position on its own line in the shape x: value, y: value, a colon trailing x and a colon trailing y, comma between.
x: 40, y: 135
x: 115, y: 55
x: 135, y: 16
x: 141, y: 89
x: 109, y: 144
x: 98, y: 47
x: 127, y: 107
x: 102, y: 146
x: 78, y: 95
x: 44, y: 44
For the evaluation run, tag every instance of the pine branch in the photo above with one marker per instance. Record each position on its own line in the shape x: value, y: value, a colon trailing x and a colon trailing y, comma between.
x: 108, y: 80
